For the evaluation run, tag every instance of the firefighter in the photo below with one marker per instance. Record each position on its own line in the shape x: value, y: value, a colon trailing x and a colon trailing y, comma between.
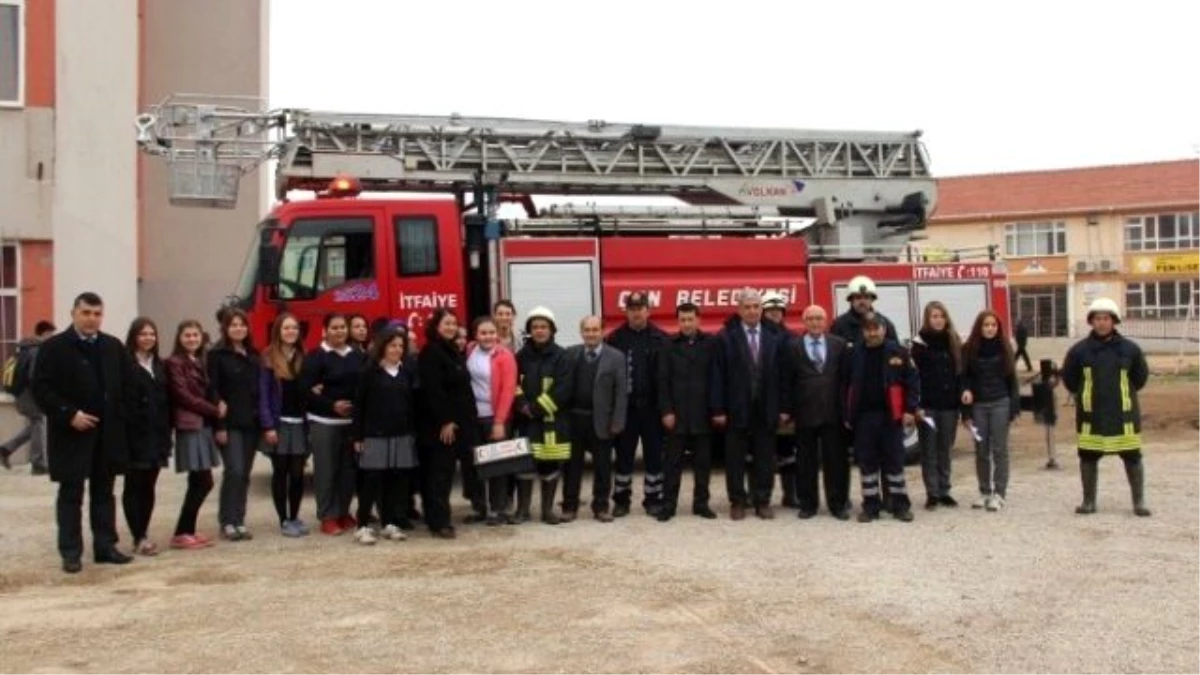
x: 640, y: 341
x: 861, y: 295
x: 1105, y: 371
x: 881, y: 400
x: 544, y: 382
x: 774, y: 310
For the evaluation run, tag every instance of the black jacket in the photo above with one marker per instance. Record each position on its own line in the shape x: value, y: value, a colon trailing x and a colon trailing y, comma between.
x: 641, y: 357
x: 1093, y: 371
x: 732, y: 381
x: 941, y: 383
x: 150, y: 434
x: 336, y: 373
x: 383, y: 405
x: 985, y: 378
x: 816, y: 395
x: 66, y: 380
x: 446, y: 388
x: 684, y: 374
x: 234, y: 378
x: 848, y: 326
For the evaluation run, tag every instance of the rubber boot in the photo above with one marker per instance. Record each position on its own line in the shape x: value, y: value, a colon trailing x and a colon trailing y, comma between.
x: 524, y: 500
x: 549, y: 488
x: 1136, y: 473
x: 1088, y: 473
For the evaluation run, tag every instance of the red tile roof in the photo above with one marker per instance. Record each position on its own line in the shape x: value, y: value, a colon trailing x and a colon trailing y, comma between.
x: 1127, y: 187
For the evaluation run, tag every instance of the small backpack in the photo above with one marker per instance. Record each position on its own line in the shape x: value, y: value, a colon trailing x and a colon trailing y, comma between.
x: 18, y: 371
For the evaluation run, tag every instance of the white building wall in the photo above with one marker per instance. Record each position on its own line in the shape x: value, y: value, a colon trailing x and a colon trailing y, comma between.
x: 94, y: 207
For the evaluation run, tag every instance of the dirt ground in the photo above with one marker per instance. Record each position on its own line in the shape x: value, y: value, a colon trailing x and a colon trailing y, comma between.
x: 1033, y: 589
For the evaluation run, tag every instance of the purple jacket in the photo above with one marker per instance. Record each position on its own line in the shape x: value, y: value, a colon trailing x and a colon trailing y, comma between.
x: 270, y: 399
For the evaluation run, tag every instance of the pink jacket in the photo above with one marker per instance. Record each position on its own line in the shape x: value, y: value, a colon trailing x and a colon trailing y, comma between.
x: 504, y: 381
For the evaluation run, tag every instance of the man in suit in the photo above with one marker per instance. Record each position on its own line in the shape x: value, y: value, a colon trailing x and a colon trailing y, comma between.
x: 598, y: 405
x: 815, y: 363
x: 84, y: 382
x: 747, y: 390
x: 683, y: 381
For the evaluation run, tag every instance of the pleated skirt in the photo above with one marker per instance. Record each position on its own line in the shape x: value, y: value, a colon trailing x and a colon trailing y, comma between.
x: 196, y: 451
x: 398, y: 452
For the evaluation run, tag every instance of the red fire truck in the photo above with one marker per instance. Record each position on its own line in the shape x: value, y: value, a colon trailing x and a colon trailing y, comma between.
x: 797, y: 212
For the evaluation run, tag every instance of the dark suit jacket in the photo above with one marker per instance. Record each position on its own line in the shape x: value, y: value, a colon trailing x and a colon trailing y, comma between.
x: 65, y: 382
x: 732, y: 379
x: 610, y: 392
x: 684, y: 373
x: 816, y: 395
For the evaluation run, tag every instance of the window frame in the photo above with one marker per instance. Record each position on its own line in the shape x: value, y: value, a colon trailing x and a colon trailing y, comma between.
x: 1055, y: 232
x: 14, y: 292
x: 397, y: 220
x: 1149, y: 232
x: 1152, y: 308
x: 296, y: 230
x: 22, y: 55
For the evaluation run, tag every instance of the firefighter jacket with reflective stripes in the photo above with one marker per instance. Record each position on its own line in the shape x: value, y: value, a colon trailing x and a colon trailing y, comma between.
x: 544, y: 389
x: 1105, y: 376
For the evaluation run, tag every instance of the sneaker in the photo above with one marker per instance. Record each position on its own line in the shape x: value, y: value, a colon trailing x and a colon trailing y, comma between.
x: 230, y: 533
x: 365, y: 536
x: 187, y: 542
x: 289, y: 529
x: 244, y: 533
x: 393, y: 533
x: 301, y: 527
x: 996, y: 503
x: 331, y: 527
x: 982, y: 502
x: 146, y: 547
x: 203, y: 539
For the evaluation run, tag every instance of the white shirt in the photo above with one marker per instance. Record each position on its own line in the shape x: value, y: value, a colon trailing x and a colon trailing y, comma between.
x: 479, y: 365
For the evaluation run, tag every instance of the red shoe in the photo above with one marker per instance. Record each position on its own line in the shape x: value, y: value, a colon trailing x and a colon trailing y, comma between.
x: 203, y: 539
x: 331, y: 527
x: 348, y: 522
x: 187, y: 542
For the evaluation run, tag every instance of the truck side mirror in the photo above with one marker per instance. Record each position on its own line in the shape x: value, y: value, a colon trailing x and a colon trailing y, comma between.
x: 268, y: 260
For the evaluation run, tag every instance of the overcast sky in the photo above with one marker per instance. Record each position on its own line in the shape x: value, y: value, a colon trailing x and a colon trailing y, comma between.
x: 1001, y: 86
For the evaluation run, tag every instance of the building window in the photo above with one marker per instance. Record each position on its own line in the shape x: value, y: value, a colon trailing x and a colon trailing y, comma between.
x: 1042, y: 308
x: 10, y: 297
x: 1163, y: 232
x: 12, y: 53
x: 1161, y: 299
x: 1034, y: 239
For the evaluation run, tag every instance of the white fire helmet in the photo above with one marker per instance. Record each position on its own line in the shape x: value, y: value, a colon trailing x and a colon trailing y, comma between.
x: 540, y: 312
x: 1104, y: 305
x: 861, y: 285
x: 774, y: 300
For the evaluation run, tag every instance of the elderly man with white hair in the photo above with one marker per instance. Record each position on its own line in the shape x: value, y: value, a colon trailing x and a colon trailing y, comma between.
x: 747, y: 395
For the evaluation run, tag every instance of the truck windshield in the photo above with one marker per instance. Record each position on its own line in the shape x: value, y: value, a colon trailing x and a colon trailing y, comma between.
x: 249, y: 276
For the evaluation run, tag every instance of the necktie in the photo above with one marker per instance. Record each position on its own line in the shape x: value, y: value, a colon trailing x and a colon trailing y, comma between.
x: 818, y: 357
x: 754, y: 344
x: 591, y: 355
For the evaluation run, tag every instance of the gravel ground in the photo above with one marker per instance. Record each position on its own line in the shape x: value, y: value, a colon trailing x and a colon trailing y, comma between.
x: 1033, y: 589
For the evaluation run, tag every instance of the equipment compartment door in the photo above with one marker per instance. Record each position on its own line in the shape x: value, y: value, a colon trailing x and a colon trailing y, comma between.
x: 963, y: 301
x: 562, y: 275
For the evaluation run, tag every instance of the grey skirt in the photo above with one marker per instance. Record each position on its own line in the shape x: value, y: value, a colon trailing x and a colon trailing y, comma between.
x: 397, y: 452
x: 196, y: 451
x: 293, y: 440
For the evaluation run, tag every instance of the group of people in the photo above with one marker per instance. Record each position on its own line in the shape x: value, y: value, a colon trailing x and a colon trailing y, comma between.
x: 390, y: 424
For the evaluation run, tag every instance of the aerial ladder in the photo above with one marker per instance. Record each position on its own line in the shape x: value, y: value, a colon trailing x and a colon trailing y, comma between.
x: 857, y: 189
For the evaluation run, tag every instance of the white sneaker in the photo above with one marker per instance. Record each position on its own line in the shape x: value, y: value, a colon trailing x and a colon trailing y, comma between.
x: 982, y: 502
x: 996, y: 504
x: 365, y: 536
x: 394, y: 533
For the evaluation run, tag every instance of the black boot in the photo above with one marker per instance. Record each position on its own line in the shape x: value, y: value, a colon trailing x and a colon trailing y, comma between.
x: 549, y: 488
x: 1136, y: 473
x: 524, y: 501
x: 787, y: 479
x: 1088, y: 473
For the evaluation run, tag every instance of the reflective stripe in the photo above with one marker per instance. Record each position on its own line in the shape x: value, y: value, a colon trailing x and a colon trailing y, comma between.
x: 544, y: 400
x: 624, y: 478
x: 654, y: 478
x: 870, y: 491
x: 870, y: 478
x: 1129, y: 439
x: 551, y: 453
x: 551, y: 477
x: 1120, y: 443
x: 1085, y: 396
x: 653, y: 489
x: 1126, y: 398
x: 895, y: 478
x: 787, y: 461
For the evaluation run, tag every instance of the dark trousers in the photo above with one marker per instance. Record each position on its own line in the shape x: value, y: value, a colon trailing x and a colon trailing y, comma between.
x: 387, y: 489
x: 583, y: 442
x: 102, y: 511
x: 1129, y: 457
x: 821, y: 451
x: 701, y: 447
x: 334, y: 480
x: 645, y: 424
x: 199, y: 484
x: 879, y: 445
x: 439, y: 477
x: 493, y: 492
x: 759, y: 442
x: 138, y: 500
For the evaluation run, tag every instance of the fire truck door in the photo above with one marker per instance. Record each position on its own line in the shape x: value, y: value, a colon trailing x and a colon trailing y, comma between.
x: 330, y: 263
x: 963, y: 301
x: 562, y: 275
